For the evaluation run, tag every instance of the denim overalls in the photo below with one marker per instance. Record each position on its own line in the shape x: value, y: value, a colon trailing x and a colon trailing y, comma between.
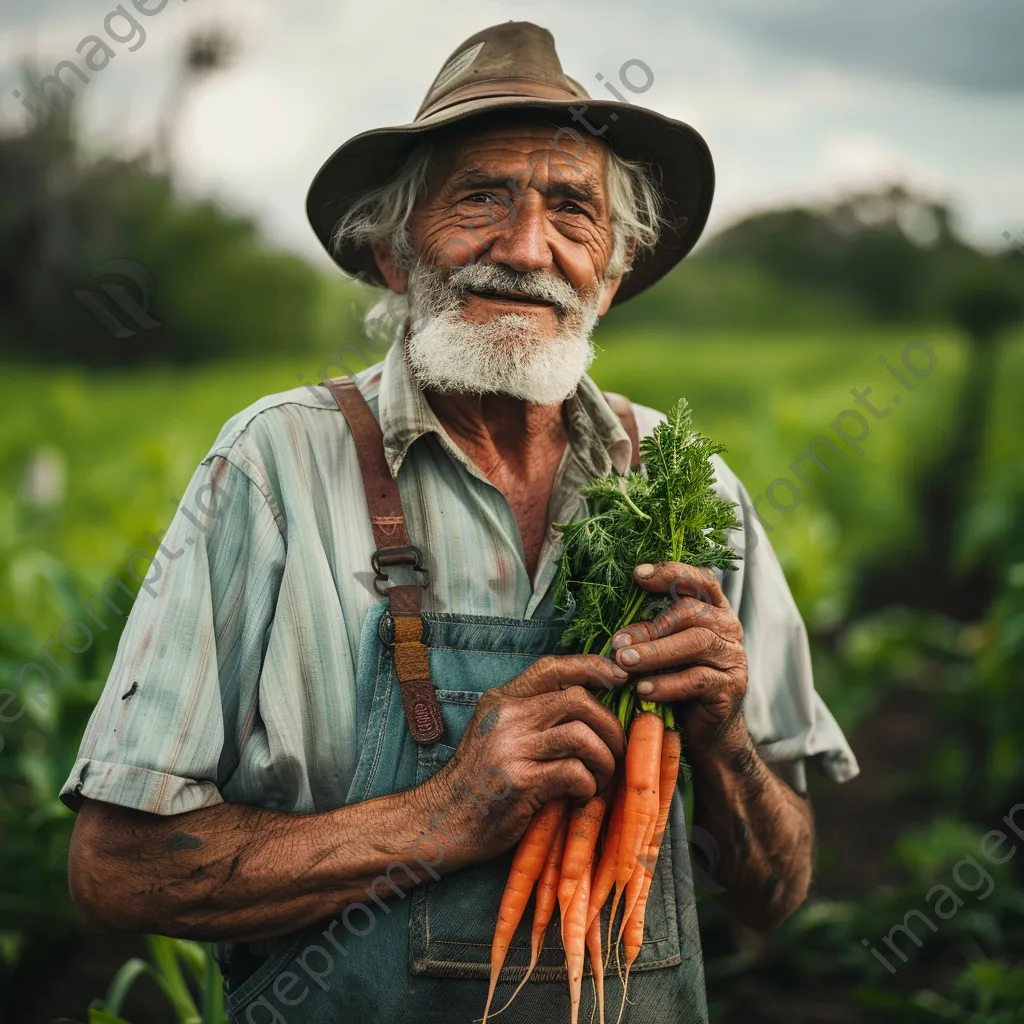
x: 424, y: 954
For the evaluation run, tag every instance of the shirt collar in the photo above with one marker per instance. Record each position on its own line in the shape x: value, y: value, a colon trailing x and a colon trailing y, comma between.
x: 596, y: 435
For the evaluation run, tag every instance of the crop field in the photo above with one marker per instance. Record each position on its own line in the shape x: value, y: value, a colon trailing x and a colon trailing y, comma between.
x: 92, y: 465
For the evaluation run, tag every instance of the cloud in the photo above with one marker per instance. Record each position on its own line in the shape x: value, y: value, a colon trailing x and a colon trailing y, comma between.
x: 950, y: 44
x: 861, y: 161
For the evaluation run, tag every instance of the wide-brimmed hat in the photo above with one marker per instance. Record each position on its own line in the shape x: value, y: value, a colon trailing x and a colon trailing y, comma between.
x: 514, y: 66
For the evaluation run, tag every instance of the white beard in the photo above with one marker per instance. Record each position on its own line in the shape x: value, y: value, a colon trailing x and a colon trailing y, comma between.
x: 507, y: 354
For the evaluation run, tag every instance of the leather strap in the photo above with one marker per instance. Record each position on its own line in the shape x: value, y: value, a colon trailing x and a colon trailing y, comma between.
x: 387, y: 521
x: 623, y: 408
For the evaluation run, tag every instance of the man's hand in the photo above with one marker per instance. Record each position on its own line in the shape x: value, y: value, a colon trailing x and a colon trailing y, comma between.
x: 540, y: 737
x: 694, y: 653
x: 696, y: 647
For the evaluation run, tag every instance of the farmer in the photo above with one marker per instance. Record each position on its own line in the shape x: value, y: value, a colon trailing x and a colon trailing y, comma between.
x: 277, y: 764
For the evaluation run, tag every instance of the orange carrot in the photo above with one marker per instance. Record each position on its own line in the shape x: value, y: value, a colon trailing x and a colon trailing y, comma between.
x: 596, y: 963
x: 640, y: 804
x: 633, y: 935
x: 636, y: 879
x: 547, y: 889
x: 574, y: 890
x: 584, y: 829
x: 527, y: 866
x: 632, y: 932
x: 671, y: 751
x: 544, y: 900
x: 604, y: 874
x: 574, y: 932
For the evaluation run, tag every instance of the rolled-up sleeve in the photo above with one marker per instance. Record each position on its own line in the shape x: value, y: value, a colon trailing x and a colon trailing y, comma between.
x: 785, y: 715
x: 164, y: 734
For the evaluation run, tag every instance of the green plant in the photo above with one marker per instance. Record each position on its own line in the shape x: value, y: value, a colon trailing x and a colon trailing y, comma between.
x: 987, y: 992
x: 175, y: 963
x: 669, y: 513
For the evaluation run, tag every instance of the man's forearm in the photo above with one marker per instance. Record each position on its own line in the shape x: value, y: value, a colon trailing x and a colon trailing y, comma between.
x: 238, y: 872
x: 764, y: 830
x: 244, y: 873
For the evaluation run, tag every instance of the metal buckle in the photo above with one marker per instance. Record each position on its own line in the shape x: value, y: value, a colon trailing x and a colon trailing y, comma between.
x: 386, y: 630
x: 404, y: 554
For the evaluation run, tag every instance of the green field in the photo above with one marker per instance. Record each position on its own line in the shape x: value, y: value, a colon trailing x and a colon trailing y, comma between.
x: 91, y: 461
x: 128, y: 443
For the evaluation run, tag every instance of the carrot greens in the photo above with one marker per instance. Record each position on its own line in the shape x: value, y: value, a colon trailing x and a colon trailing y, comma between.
x: 671, y: 513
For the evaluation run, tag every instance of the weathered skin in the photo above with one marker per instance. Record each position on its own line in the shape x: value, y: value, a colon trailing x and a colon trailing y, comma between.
x: 238, y: 872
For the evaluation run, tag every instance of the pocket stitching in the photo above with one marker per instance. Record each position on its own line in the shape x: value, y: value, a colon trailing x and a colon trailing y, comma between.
x: 385, y: 698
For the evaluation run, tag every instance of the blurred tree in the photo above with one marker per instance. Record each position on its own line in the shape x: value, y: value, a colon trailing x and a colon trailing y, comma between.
x: 883, y: 256
x: 83, y: 242
x: 878, y: 248
x: 207, y: 51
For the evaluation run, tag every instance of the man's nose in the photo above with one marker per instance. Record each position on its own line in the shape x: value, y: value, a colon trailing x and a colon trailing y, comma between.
x: 520, y: 242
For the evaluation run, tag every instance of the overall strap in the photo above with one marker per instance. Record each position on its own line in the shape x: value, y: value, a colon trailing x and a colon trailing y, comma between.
x: 623, y: 408
x: 387, y: 520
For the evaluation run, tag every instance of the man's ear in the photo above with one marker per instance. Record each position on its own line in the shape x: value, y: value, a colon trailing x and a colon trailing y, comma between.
x: 395, y: 276
x: 611, y: 285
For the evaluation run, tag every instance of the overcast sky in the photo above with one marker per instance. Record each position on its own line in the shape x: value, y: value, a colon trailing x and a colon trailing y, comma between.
x: 798, y: 99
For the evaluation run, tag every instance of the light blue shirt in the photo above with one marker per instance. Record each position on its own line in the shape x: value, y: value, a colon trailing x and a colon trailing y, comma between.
x: 240, y: 660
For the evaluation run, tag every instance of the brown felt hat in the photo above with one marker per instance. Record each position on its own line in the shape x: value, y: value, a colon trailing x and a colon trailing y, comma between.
x: 514, y: 66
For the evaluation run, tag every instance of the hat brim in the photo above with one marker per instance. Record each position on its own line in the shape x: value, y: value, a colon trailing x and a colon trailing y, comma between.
x: 678, y: 154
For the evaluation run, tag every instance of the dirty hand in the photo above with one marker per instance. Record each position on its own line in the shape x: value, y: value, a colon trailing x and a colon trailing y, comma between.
x: 693, y: 651
x: 540, y: 737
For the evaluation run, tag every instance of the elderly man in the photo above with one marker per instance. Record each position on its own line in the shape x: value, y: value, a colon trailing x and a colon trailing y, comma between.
x: 328, y: 777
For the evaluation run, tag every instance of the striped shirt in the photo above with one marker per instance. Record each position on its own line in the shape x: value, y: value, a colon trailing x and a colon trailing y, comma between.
x: 235, y: 676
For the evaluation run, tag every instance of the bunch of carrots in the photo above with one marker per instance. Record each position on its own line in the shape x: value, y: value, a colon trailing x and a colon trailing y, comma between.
x: 559, y: 856
x: 669, y: 512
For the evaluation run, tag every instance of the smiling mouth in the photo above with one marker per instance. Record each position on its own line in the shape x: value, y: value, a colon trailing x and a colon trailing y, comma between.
x: 513, y: 297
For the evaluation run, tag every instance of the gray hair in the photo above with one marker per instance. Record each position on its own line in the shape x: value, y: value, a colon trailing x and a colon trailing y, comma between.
x: 383, y: 213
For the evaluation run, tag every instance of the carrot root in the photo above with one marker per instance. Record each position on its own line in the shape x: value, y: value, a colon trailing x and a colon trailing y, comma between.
x: 544, y: 902
x: 604, y: 874
x: 558, y: 854
x: 527, y: 865
x: 574, y: 926
x: 632, y: 931
x: 596, y: 963
x: 584, y: 830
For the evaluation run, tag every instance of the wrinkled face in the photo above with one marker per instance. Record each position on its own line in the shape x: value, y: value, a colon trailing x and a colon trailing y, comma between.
x: 519, y: 197
x: 513, y: 238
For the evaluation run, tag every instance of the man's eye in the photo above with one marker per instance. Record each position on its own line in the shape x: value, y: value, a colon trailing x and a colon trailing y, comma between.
x: 481, y: 197
x: 570, y: 207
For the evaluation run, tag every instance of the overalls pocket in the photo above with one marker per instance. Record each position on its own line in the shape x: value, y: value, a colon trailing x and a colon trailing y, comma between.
x: 452, y: 920
x: 263, y: 976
